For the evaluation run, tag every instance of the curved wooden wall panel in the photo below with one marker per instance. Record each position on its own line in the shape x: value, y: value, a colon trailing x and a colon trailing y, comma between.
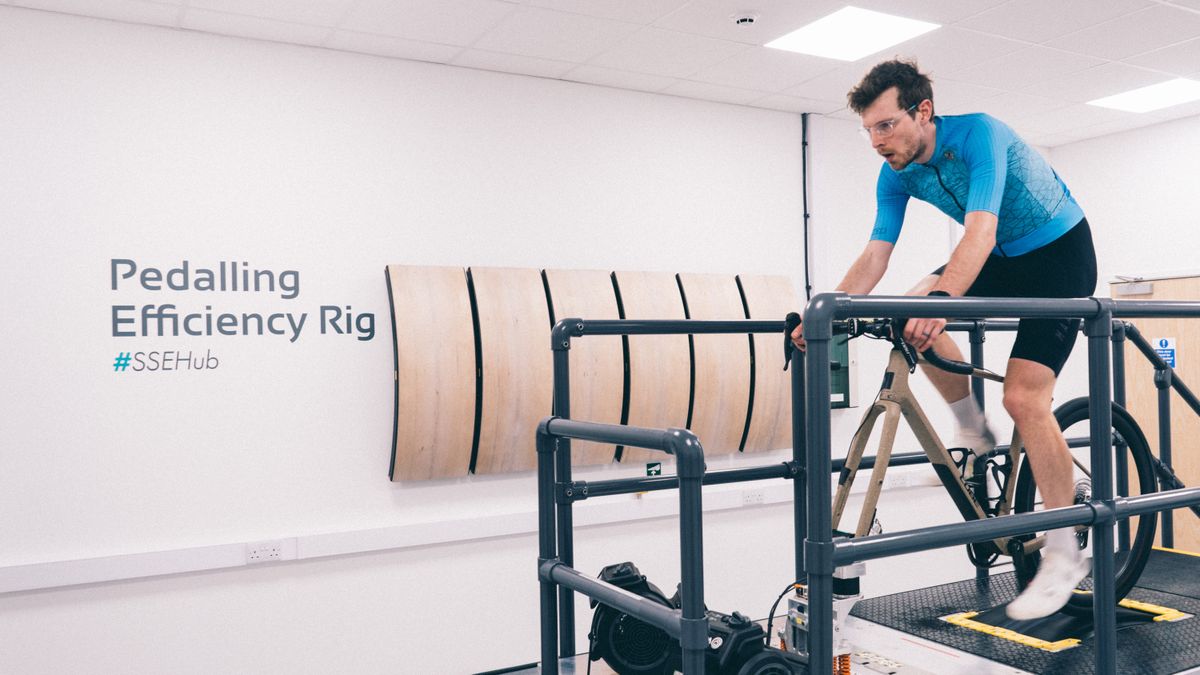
x: 722, y: 364
x: 770, y: 298
x: 514, y: 336
x: 435, y: 372
x: 659, y: 365
x: 597, y: 363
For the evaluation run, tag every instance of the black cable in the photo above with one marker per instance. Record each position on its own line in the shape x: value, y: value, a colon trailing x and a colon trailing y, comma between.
x: 804, y: 192
x: 592, y: 636
x: 775, y: 605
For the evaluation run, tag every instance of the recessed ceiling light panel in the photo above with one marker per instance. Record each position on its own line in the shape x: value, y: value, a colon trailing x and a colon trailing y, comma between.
x: 851, y: 33
x: 1154, y: 97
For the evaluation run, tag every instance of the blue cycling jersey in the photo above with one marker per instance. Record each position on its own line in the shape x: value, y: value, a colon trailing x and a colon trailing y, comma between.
x: 980, y: 164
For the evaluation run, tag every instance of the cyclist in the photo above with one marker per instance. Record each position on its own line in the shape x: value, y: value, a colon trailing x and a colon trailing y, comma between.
x: 1024, y: 236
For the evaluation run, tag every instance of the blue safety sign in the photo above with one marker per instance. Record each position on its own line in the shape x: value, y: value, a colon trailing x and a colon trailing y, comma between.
x: 1165, y: 348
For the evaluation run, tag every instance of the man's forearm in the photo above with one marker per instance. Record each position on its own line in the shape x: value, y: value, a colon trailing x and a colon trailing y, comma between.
x: 867, y: 270
x: 970, y: 254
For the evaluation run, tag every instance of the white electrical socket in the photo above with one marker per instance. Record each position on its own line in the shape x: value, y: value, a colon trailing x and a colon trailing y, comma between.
x: 264, y: 551
x: 754, y: 496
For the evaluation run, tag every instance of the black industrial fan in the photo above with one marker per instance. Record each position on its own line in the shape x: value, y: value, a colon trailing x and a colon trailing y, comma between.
x: 628, y: 645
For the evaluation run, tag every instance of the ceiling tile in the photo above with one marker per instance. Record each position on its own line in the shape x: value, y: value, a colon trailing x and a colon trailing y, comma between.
x: 253, y: 27
x: 956, y: 98
x: 511, y: 63
x: 1178, y: 59
x: 1093, y: 83
x: 947, y: 49
x: 379, y: 45
x: 448, y: 22
x: 542, y: 33
x: 1069, y: 119
x: 313, y: 12
x: 1039, y: 20
x: 609, y: 77
x: 1132, y: 121
x: 665, y: 52
x: 713, y: 92
x: 132, y: 11
x: 831, y: 86
x: 1099, y: 130
x: 1132, y: 34
x: 767, y: 70
x: 1047, y: 140
x: 1020, y: 69
x: 774, y: 18
x: 633, y: 11
x: 845, y: 114
x: 1011, y: 106
x: 797, y: 104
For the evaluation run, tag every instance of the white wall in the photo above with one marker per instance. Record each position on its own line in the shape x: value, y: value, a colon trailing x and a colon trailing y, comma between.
x: 161, y: 146
x: 1135, y: 188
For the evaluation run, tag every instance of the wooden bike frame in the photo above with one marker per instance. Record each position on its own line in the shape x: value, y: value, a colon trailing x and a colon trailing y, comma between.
x: 895, y: 400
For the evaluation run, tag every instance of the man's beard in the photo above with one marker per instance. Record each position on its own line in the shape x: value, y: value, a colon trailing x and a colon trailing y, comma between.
x: 917, y: 152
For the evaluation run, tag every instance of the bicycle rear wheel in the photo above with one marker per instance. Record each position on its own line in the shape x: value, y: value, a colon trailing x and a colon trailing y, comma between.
x: 1127, y: 437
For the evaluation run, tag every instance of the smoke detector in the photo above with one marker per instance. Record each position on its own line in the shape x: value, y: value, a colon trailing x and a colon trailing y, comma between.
x: 743, y: 18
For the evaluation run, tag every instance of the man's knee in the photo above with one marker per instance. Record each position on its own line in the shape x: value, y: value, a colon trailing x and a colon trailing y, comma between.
x: 1026, y: 403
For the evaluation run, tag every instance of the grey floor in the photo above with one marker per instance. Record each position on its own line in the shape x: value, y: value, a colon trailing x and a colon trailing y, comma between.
x: 877, y: 649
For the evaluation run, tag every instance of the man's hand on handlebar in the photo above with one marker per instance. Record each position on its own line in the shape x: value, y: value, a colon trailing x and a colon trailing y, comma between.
x: 922, y: 333
x: 798, y: 336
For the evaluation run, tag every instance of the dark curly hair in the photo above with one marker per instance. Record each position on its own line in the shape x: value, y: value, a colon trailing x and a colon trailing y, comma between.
x: 913, y: 85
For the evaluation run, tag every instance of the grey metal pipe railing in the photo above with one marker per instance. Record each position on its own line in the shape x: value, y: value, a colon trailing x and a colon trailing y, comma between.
x: 1098, y: 329
x: 954, y: 534
x: 580, y: 490
x: 1118, y: 395
x: 1135, y: 336
x: 653, y: 613
x: 558, y: 524
x: 1165, y: 379
x: 560, y: 343
x: 689, y: 623
x: 822, y: 553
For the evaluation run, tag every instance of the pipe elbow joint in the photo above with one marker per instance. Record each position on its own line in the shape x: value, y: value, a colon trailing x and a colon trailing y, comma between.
x: 563, y: 331
x: 543, y: 434
x: 820, y: 313
x: 689, y: 454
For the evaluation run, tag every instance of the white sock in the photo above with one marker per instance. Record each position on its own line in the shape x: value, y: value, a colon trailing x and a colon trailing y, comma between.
x: 970, y: 417
x: 1063, y: 542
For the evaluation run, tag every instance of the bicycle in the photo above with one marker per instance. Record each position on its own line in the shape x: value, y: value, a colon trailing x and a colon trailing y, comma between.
x: 896, y: 399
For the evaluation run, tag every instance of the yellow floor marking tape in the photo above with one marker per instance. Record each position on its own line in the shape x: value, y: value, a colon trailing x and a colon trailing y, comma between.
x: 1175, y: 550
x: 1161, y: 613
x: 964, y: 619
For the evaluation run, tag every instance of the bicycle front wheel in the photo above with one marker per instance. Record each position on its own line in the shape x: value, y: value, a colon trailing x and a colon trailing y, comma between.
x: 1127, y: 440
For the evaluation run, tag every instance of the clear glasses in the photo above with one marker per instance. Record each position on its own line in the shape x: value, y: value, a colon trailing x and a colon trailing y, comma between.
x: 885, y: 128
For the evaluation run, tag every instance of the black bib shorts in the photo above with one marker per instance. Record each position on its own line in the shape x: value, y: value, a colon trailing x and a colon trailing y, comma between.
x: 1064, y: 268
